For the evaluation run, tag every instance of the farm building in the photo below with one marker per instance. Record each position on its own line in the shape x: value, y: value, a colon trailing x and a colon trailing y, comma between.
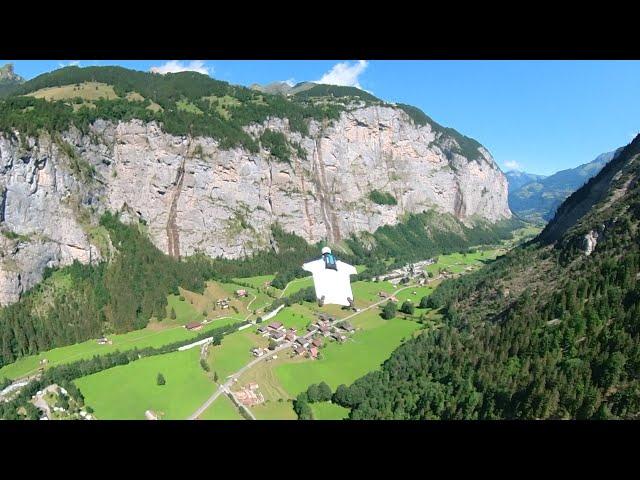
x: 151, y: 415
x: 339, y: 337
x: 347, y: 326
x: 193, y: 326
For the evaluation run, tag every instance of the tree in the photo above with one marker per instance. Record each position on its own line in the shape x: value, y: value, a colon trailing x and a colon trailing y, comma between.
x: 424, y: 302
x: 313, y: 393
x: 407, y: 307
x: 173, y: 314
x: 389, y: 310
x: 272, y: 344
x: 324, y: 392
x: 304, y: 412
x: 160, y: 380
x: 215, y: 377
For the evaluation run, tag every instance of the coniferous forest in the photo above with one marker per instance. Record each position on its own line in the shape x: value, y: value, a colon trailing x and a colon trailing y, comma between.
x: 546, y: 332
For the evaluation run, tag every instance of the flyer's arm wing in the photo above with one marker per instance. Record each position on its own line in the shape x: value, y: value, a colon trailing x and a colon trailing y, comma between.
x: 350, y: 269
x: 312, y: 266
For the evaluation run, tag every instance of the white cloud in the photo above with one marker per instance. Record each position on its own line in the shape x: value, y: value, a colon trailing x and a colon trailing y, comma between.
x: 175, y: 66
x: 75, y: 63
x: 512, y: 165
x: 345, y: 74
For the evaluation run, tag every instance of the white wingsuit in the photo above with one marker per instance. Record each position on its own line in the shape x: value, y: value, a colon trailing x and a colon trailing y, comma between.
x: 333, y: 285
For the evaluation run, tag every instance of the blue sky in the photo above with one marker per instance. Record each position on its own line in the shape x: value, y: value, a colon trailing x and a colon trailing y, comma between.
x: 538, y: 116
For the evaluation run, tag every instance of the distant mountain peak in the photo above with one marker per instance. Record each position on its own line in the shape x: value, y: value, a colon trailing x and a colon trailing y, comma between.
x: 7, y: 74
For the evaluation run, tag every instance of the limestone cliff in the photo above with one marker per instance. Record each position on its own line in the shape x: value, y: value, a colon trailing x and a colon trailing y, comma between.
x: 195, y: 196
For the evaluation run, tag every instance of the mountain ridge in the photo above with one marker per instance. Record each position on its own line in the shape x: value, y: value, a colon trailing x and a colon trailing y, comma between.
x: 210, y: 167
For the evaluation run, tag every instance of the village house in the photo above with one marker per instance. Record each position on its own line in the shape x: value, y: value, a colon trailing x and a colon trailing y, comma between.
x: 312, y: 328
x: 258, y: 352
x: 299, y: 350
x: 382, y: 294
x: 313, y: 352
x: 277, y: 336
x: 303, y: 341
x: 326, y: 331
x: 193, y: 326
x: 317, y: 342
x: 241, y: 292
x: 263, y: 331
x: 290, y: 336
x: 104, y: 341
x: 276, y: 326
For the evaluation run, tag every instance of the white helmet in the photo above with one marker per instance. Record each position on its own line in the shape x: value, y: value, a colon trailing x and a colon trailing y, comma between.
x: 326, y: 250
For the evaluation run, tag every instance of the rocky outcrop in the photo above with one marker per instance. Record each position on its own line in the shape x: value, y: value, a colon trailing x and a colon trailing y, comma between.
x: 589, y: 242
x: 195, y: 197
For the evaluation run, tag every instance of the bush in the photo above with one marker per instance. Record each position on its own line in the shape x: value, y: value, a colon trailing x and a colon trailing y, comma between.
x: 160, y: 380
x: 382, y: 198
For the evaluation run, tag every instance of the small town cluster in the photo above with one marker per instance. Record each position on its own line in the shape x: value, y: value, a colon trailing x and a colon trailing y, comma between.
x: 307, y: 344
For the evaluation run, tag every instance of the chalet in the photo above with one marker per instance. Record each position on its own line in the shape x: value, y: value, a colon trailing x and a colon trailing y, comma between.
x: 317, y: 342
x: 325, y: 331
x: 302, y: 341
x: 241, y: 293
x: 299, y: 350
x: 193, y: 326
x: 277, y: 326
x: 290, y: 336
x: 313, y: 351
x: 263, y: 331
x: 277, y: 336
x: 102, y: 341
x: 257, y: 352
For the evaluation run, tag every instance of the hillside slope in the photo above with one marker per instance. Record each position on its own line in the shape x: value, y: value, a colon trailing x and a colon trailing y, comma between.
x: 210, y: 167
x: 550, y: 331
x: 538, y: 199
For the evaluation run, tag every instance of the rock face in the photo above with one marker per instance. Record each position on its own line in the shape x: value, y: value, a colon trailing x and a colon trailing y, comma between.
x: 196, y: 197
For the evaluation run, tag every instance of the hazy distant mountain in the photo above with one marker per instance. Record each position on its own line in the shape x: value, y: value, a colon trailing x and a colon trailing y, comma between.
x: 518, y: 179
x: 538, y: 199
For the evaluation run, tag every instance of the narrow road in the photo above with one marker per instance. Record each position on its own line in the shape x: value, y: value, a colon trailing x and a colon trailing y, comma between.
x: 231, y: 378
